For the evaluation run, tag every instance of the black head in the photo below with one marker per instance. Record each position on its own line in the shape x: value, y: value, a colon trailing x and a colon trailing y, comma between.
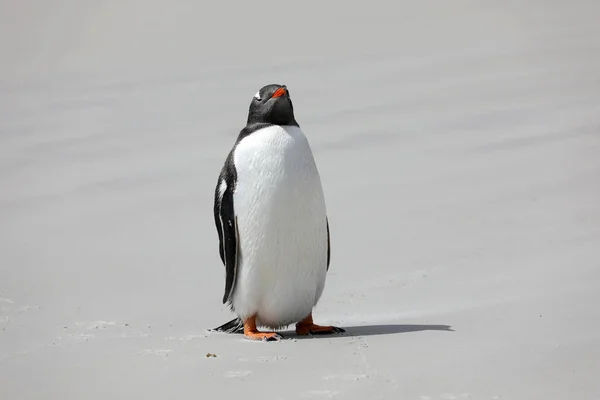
x: 272, y: 105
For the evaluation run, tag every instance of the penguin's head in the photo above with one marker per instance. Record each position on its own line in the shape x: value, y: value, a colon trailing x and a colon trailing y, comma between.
x: 272, y: 104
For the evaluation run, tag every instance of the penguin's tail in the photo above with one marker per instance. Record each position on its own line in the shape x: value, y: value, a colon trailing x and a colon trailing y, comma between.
x: 234, y: 326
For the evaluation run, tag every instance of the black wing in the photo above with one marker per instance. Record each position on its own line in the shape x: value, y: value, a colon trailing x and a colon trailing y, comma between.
x: 328, y: 244
x: 226, y: 223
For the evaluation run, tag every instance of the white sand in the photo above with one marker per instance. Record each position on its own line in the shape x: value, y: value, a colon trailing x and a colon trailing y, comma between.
x: 459, y: 146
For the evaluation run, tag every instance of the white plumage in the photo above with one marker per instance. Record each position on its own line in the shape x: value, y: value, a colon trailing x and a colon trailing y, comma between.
x: 281, y: 216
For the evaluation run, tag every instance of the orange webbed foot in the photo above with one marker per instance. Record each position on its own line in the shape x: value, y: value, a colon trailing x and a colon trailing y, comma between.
x: 250, y: 332
x: 308, y: 327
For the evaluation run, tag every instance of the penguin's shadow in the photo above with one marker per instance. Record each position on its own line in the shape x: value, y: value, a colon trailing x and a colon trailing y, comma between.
x: 372, y: 330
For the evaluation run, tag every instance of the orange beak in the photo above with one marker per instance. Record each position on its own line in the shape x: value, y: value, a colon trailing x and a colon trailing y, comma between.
x: 279, y: 92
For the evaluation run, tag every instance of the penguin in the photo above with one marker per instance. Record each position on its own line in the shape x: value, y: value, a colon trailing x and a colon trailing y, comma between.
x: 272, y: 224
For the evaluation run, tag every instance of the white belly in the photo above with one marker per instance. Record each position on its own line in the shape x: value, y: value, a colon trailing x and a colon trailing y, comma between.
x: 281, y: 217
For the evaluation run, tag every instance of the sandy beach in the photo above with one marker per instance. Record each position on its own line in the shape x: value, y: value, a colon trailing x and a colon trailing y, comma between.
x: 459, y: 149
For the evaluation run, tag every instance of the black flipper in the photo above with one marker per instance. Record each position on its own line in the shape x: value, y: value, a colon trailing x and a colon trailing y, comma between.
x: 328, y: 245
x: 226, y: 223
x: 234, y: 326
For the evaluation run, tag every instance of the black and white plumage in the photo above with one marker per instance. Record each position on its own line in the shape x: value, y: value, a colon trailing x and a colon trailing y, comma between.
x: 271, y: 218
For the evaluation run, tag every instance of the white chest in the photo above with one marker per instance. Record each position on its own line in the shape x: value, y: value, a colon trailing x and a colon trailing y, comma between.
x: 275, y: 167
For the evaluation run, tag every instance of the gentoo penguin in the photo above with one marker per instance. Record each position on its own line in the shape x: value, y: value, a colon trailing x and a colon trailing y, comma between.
x: 272, y: 223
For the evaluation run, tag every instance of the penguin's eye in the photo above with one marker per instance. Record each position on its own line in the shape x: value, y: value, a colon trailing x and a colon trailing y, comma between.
x: 257, y: 96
